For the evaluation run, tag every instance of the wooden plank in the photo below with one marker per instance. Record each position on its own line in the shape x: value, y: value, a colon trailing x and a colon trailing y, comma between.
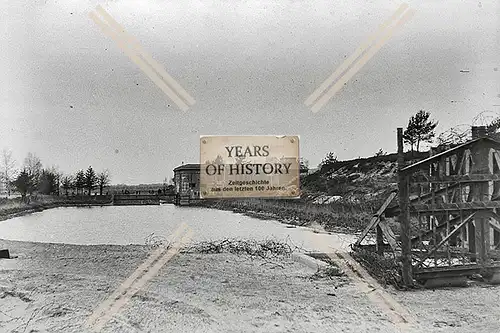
x: 394, y: 210
x: 389, y: 235
x: 439, y: 227
x: 496, y: 157
x: 454, y: 268
x: 457, y: 169
x: 470, y: 178
x: 471, y: 232
x: 376, y: 218
x: 447, y: 272
x: 457, y: 206
x: 373, y: 223
x: 482, y: 236
x: 495, y: 224
x: 372, y: 247
x: 453, y: 194
x: 462, y: 162
x: 487, y: 142
x: 380, y: 241
x: 429, y: 160
x: 404, y: 214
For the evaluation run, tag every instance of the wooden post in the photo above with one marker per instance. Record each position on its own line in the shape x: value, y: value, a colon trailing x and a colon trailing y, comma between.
x: 480, y: 155
x: 471, y: 237
x: 404, y: 215
x: 380, y: 241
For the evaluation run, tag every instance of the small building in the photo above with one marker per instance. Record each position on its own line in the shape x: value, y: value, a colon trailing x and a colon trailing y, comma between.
x: 187, y: 183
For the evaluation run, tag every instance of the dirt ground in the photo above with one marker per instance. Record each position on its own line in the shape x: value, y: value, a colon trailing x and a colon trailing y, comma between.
x: 55, y: 288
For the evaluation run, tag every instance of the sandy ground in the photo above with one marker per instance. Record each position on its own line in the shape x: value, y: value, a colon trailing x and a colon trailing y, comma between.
x: 55, y: 287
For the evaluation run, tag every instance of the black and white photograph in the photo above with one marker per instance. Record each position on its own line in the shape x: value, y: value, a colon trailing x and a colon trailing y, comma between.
x: 259, y: 166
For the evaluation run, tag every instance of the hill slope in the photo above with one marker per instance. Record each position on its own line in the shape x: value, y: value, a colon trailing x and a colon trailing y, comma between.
x: 362, y: 179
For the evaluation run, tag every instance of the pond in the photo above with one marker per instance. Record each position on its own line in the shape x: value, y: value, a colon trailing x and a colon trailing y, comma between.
x: 123, y: 225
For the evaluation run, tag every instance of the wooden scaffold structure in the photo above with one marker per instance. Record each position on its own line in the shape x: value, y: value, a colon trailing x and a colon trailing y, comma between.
x: 447, y: 212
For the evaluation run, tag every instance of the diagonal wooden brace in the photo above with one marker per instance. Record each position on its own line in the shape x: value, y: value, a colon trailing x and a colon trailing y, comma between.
x: 457, y: 229
x: 376, y: 218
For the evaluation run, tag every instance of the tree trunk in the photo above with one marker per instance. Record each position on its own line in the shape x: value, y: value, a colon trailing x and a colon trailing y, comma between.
x: 101, y: 187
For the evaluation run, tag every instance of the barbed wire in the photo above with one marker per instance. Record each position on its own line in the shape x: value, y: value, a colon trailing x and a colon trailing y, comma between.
x: 462, y: 133
x: 455, y: 135
x: 485, y: 118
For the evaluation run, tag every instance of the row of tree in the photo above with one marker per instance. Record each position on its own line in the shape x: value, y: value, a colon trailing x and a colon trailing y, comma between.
x: 32, y: 177
x: 86, y: 181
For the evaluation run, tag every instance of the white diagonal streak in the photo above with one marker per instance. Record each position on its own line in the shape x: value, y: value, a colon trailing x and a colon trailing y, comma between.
x: 398, y: 315
x: 130, y: 280
x: 134, y: 56
x: 357, y: 66
x: 354, y: 56
x: 150, y: 273
x: 153, y: 63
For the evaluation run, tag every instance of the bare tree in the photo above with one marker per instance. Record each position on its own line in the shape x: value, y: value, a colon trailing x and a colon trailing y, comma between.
x: 8, y: 170
x: 103, y: 180
x: 33, y: 166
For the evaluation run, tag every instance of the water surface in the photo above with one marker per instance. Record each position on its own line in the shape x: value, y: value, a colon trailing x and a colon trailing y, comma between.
x: 124, y: 225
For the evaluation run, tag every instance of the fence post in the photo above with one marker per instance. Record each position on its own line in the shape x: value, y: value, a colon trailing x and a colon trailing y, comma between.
x: 404, y: 215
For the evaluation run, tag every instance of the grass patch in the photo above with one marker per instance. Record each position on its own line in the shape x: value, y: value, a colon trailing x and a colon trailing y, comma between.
x: 328, y: 272
x: 16, y: 206
x: 386, y: 270
x: 336, y: 216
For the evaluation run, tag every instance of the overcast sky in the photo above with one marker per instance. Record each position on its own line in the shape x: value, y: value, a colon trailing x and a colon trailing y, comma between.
x: 70, y: 95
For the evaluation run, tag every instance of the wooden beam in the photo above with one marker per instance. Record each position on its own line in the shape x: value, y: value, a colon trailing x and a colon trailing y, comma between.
x: 394, y: 210
x: 389, y: 235
x: 457, y: 170
x: 412, y: 168
x: 404, y: 215
x: 496, y: 157
x: 495, y: 224
x: 446, y: 239
x: 470, y: 178
x: 440, y: 227
x: 487, y: 142
x: 471, y: 237
x: 464, y: 155
x: 456, y: 206
x: 380, y: 241
x: 376, y: 218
